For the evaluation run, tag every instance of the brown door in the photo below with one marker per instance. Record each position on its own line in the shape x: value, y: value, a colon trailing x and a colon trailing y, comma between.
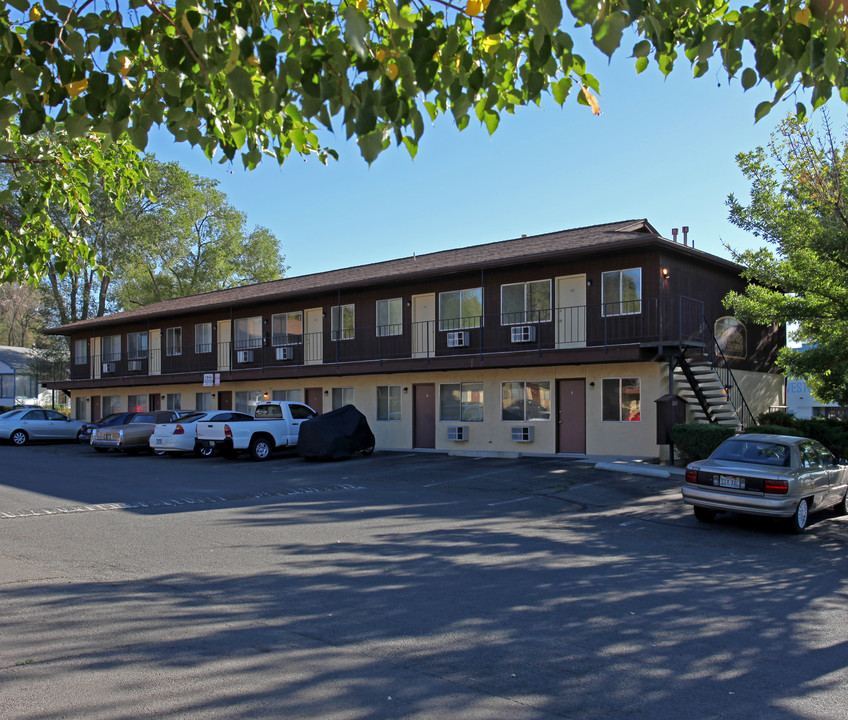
x: 424, y: 416
x: 571, y: 416
x: 225, y: 400
x: 154, y: 402
x: 95, y: 408
x: 315, y: 399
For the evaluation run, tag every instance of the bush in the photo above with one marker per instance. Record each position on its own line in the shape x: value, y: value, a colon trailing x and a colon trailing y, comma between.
x: 695, y: 441
x: 777, y: 417
x: 774, y: 430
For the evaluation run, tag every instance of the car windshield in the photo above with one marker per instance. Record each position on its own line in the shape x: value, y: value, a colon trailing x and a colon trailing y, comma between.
x: 759, y: 452
x: 110, y: 419
x: 194, y: 417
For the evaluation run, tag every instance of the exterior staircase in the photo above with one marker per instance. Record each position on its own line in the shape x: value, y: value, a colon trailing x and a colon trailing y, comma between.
x: 699, y: 382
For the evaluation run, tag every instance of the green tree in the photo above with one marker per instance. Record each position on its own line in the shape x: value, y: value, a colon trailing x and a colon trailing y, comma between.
x: 799, y: 206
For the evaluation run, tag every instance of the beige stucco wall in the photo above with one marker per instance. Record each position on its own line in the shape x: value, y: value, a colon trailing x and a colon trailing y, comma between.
x: 761, y: 390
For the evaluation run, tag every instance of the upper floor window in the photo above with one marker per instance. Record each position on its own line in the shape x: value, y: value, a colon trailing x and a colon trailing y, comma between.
x: 526, y: 401
x: 528, y: 302
x: 80, y: 352
x: 137, y: 346
x: 622, y: 400
x: 248, y: 333
x: 174, y: 341
x: 342, y: 322
x: 461, y: 309
x: 622, y: 292
x: 287, y: 328
x: 390, y: 317
x: 203, y: 338
x: 461, y: 402
x: 110, y: 348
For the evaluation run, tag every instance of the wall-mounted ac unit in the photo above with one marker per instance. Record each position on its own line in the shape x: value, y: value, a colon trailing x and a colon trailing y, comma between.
x: 458, y: 338
x: 457, y: 433
x: 285, y: 353
x: 109, y: 367
x: 134, y: 365
x: 522, y: 434
x: 523, y: 333
x: 244, y: 356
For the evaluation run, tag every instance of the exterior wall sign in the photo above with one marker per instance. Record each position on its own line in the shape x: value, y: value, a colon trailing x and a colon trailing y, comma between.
x: 732, y: 337
x: 207, y: 379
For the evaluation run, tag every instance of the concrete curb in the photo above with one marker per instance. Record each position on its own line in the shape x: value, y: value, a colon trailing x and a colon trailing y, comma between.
x: 641, y: 469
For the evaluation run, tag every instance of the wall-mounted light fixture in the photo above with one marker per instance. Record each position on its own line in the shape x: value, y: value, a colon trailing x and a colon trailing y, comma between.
x: 326, y: 392
x: 405, y: 390
x: 163, y: 397
x: 265, y: 395
x: 592, y: 384
x: 665, y: 273
x: 588, y: 283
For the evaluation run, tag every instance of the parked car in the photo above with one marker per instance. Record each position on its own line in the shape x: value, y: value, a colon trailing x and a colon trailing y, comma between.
x: 335, y: 435
x: 134, y: 435
x: 21, y: 425
x: 772, y: 475
x: 119, y: 418
x: 180, y: 436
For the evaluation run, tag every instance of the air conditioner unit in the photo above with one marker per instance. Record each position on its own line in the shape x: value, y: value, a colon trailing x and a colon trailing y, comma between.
x: 285, y: 353
x: 244, y: 356
x: 457, y: 433
x: 522, y: 434
x: 134, y: 365
x: 109, y: 367
x: 523, y: 333
x: 458, y: 338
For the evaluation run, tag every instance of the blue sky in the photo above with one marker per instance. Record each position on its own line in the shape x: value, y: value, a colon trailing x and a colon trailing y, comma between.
x: 662, y: 149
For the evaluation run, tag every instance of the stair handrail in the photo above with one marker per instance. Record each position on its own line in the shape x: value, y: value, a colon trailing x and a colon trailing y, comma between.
x: 731, y: 385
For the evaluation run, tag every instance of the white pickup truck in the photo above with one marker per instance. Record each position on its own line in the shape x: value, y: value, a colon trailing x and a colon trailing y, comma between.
x: 275, y: 424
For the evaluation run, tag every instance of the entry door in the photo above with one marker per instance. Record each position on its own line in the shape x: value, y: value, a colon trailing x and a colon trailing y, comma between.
x: 154, y: 352
x: 315, y: 399
x: 224, y: 354
x: 571, y: 416
x: 154, y: 402
x: 95, y: 408
x: 423, y: 325
x: 571, y: 311
x: 225, y: 400
x: 424, y: 416
x: 314, y: 339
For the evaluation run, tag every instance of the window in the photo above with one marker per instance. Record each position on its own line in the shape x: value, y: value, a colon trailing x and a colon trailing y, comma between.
x: 460, y: 309
x: 528, y: 302
x: 287, y: 328
x: 342, y: 322
x: 174, y: 401
x: 302, y: 412
x: 462, y: 402
x: 622, y: 292
x: 109, y: 404
x: 174, y: 341
x: 246, y: 400
x: 390, y: 317
x: 289, y: 395
x: 203, y: 338
x: 137, y: 403
x: 622, y: 399
x: 388, y: 402
x: 342, y: 396
x: 110, y: 348
x: 80, y: 352
x: 79, y: 408
x: 526, y: 401
x: 137, y: 346
x: 203, y: 401
x: 248, y: 333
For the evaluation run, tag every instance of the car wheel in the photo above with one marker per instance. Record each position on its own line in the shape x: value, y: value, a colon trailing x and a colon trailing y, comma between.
x: 260, y: 448
x: 705, y: 515
x: 203, y: 451
x: 79, y: 434
x: 842, y: 506
x: 19, y: 437
x: 367, y: 451
x: 159, y: 453
x: 798, y: 522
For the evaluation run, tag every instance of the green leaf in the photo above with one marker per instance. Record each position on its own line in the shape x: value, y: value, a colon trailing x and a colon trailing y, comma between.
x: 371, y: 145
x: 356, y: 29
x: 241, y: 83
x: 762, y: 110
x: 138, y: 136
x: 641, y: 64
x: 560, y: 90
x: 749, y: 78
x: 550, y: 13
x: 31, y: 121
x: 641, y: 49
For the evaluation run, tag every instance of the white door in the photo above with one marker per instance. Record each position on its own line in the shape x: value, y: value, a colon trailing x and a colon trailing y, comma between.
x: 224, y: 339
x: 313, y: 341
x: 97, y: 359
x: 423, y: 325
x: 571, y: 311
x: 154, y: 352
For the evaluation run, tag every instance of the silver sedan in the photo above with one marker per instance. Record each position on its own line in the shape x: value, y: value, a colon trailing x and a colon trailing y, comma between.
x: 773, y: 475
x: 21, y: 425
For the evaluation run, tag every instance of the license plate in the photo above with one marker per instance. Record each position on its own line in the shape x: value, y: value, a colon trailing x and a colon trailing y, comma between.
x: 108, y: 436
x: 730, y: 482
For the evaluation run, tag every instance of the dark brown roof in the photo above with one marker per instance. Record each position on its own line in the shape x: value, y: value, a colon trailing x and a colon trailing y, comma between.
x: 525, y: 249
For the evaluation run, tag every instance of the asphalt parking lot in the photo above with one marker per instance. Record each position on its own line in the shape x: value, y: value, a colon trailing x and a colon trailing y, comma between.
x: 402, y: 585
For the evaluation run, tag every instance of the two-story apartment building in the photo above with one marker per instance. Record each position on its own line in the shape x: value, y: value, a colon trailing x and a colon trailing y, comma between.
x: 556, y: 343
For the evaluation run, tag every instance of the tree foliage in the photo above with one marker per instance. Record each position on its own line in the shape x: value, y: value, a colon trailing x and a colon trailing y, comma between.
x: 799, y: 206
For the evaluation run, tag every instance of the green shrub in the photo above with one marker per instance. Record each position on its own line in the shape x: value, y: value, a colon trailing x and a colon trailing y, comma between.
x: 777, y: 417
x: 695, y: 441
x: 774, y: 430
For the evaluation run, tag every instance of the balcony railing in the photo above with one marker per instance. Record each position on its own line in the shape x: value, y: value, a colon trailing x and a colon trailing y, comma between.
x: 653, y: 321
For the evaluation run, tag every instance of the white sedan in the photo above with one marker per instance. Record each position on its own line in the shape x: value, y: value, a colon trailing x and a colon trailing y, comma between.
x: 21, y: 425
x: 180, y: 436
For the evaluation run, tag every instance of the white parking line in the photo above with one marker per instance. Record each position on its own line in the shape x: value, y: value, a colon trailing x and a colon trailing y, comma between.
x: 506, y: 502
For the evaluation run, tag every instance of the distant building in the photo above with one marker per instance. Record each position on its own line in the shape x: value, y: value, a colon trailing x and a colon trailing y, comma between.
x: 20, y: 383
x: 801, y: 403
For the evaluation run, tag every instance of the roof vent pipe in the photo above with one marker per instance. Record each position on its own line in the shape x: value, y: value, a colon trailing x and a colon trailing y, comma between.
x: 674, y: 234
x: 685, y: 234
